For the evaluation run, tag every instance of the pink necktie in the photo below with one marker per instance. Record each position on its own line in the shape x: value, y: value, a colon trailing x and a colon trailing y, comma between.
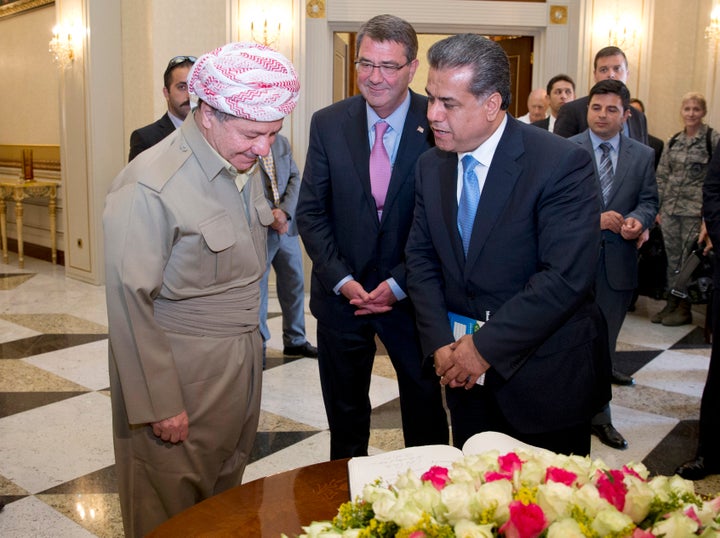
x: 380, y: 168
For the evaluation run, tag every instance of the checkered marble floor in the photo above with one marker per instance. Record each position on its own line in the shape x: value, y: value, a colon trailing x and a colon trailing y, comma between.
x: 56, y: 460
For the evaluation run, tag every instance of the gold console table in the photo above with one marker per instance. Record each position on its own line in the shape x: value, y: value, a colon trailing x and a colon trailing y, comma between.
x: 18, y: 191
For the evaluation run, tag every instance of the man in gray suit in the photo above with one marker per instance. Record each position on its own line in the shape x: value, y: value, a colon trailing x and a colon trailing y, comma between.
x: 625, y: 172
x: 282, y: 185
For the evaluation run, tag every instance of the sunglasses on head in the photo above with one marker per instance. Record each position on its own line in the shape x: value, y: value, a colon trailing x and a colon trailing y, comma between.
x: 181, y: 59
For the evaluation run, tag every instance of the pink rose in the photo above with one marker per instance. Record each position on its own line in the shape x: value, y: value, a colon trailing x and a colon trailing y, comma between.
x: 492, y: 476
x: 690, y: 512
x: 526, y: 521
x: 611, y: 487
x: 632, y: 472
x: 563, y: 476
x: 417, y: 534
x: 437, y: 476
x: 510, y: 462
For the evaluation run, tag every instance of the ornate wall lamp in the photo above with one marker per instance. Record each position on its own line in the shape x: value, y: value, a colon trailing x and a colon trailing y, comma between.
x: 265, y: 31
x: 712, y: 30
x: 66, y: 38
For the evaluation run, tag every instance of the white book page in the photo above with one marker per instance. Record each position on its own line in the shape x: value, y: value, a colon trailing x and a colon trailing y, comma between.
x: 485, y: 441
x: 389, y: 465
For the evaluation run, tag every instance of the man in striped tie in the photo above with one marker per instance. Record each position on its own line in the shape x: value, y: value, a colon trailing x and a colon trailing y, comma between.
x: 625, y: 172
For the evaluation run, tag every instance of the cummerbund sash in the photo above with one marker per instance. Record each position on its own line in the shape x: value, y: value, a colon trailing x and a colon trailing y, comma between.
x: 230, y: 313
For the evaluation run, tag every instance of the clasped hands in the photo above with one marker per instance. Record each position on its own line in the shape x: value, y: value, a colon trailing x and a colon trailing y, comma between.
x: 460, y: 364
x: 377, y: 301
x: 629, y: 228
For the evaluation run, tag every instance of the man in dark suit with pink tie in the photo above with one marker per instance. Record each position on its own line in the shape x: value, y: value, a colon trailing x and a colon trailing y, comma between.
x: 354, y: 214
x: 537, y: 369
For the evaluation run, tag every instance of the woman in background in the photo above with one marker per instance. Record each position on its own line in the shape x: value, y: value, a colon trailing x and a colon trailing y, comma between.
x: 680, y: 175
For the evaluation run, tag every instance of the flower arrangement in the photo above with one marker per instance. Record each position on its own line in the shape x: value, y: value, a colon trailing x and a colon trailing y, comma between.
x: 526, y: 494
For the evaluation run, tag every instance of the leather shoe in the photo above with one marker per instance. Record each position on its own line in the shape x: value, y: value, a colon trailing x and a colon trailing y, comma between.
x: 618, y: 378
x: 609, y: 436
x: 697, y: 469
x: 303, y: 350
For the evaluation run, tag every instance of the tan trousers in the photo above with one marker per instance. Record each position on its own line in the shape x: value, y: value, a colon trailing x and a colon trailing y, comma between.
x: 221, y: 380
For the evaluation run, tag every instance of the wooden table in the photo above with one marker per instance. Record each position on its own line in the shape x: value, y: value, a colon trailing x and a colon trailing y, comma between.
x: 18, y: 191
x: 282, y: 503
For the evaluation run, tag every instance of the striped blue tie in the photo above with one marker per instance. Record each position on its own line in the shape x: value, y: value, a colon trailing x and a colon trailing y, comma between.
x: 469, y: 199
x: 606, y: 171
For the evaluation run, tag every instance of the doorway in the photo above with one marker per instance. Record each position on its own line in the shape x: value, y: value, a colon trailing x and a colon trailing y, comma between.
x: 518, y: 48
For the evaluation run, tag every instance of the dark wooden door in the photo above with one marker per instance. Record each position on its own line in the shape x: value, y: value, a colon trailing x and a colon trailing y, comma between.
x: 520, y: 53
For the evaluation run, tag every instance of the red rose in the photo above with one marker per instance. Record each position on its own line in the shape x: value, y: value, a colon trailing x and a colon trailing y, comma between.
x: 437, y: 476
x: 526, y: 521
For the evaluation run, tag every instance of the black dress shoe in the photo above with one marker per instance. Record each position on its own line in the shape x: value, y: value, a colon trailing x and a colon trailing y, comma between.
x: 303, y: 350
x: 618, y: 378
x: 609, y: 436
x: 697, y: 469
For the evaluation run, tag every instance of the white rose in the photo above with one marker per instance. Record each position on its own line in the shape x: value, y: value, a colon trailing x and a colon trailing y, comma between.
x: 565, y: 528
x: 555, y: 500
x: 427, y: 498
x: 610, y: 521
x: 468, y: 529
x: 321, y: 528
x: 637, y: 499
x: 676, y: 525
x: 455, y: 498
x: 402, y: 510
x: 588, y: 498
x: 498, y: 495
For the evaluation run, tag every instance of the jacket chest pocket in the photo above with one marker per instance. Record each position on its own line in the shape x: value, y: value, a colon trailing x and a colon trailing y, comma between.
x: 217, y: 255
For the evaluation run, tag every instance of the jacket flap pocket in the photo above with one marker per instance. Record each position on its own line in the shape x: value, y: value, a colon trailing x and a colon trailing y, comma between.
x: 218, y: 232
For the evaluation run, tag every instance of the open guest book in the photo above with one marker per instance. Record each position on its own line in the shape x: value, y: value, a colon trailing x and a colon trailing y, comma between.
x: 388, y: 466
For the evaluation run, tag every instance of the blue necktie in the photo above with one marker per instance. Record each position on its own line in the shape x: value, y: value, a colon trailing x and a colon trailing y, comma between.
x: 606, y: 171
x: 469, y: 199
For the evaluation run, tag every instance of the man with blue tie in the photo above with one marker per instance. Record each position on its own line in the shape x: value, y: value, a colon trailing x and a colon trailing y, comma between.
x: 625, y: 172
x: 524, y: 262
x: 354, y: 214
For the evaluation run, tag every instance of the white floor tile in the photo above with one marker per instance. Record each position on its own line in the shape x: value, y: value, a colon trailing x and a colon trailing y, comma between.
x: 293, y: 391
x: 10, y: 331
x: 314, y: 449
x: 637, y: 330
x: 86, y: 365
x: 49, y: 445
x: 30, y: 517
x: 642, y: 431
x: 675, y: 371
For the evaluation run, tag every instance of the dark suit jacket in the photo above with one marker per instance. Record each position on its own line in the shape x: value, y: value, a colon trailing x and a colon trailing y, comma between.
x: 145, y: 137
x: 543, y: 123
x: 634, y: 194
x: 288, y: 180
x: 531, y: 263
x: 336, y: 212
x: 657, y: 145
x: 572, y: 120
x: 711, y: 212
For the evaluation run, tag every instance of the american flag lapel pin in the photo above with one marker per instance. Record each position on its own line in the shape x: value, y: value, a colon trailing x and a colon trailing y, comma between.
x: 420, y: 129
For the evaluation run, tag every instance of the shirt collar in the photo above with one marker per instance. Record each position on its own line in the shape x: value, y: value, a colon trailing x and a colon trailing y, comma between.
x: 596, y: 141
x: 396, y: 120
x: 177, y: 122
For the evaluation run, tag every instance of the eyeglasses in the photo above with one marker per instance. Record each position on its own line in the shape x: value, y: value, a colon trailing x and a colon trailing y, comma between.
x: 181, y: 59
x: 387, y: 70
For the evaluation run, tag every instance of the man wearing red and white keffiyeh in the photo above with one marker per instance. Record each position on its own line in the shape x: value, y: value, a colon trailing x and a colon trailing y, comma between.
x: 185, y: 235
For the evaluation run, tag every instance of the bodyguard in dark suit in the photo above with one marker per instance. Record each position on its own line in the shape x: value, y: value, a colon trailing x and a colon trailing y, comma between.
x: 610, y: 63
x: 707, y: 459
x: 529, y: 265
x: 355, y: 233
x: 178, y: 100
x: 625, y: 179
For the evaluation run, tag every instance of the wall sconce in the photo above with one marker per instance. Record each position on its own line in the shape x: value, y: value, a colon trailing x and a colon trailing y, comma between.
x: 265, y: 32
x: 62, y: 45
x: 623, y: 33
x: 712, y: 31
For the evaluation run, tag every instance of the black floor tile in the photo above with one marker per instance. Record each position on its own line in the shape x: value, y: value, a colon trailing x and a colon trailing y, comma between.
x: 677, y: 447
x: 44, y: 343
x: 267, y: 443
x: 629, y: 362
x: 693, y: 340
x: 17, y: 402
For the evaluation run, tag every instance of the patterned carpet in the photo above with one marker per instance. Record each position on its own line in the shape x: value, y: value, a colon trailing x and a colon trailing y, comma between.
x: 56, y: 461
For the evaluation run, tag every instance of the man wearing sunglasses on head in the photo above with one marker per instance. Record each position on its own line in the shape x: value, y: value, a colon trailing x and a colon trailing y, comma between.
x: 176, y: 94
